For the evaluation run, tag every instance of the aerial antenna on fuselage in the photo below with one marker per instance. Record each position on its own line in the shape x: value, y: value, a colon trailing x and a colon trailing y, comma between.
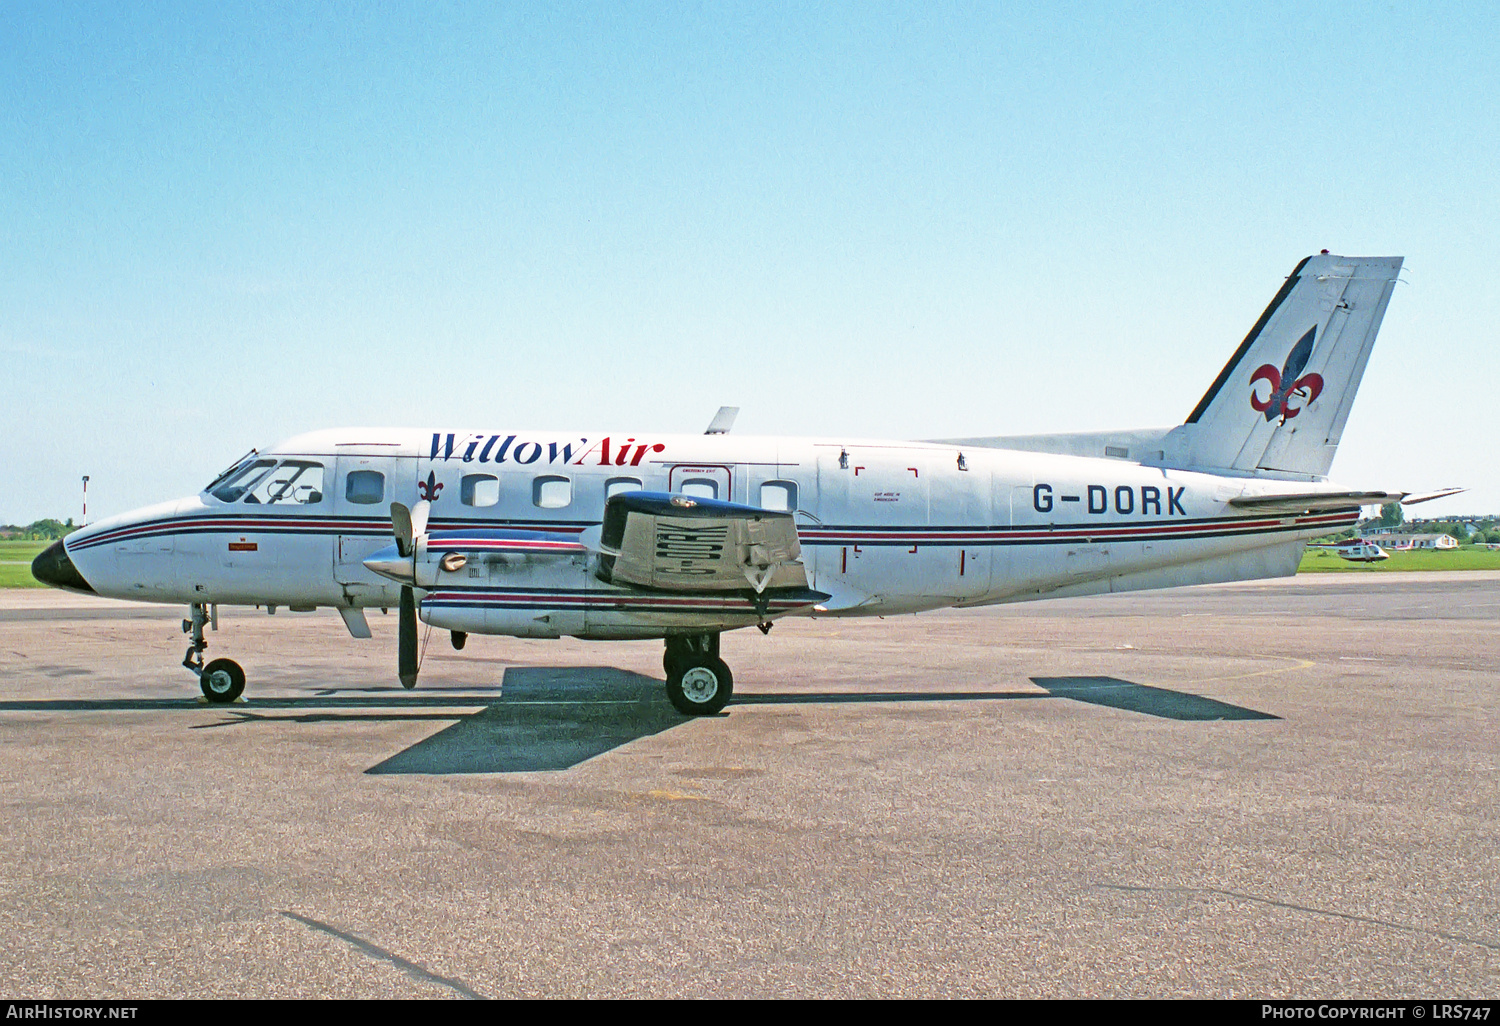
x: 723, y: 420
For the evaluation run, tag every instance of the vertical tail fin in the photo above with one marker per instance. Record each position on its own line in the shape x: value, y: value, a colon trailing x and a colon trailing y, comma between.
x: 1279, y: 405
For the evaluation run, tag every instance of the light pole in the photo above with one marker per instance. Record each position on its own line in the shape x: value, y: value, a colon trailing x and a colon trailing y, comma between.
x: 85, y: 522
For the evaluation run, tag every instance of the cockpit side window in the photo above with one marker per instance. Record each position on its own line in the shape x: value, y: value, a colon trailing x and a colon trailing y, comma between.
x: 242, y: 481
x: 295, y: 482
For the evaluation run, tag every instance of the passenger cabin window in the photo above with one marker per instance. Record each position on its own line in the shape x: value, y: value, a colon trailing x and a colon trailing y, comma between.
x: 295, y: 482
x: 365, y: 487
x: 616, y: 485
x: 779, y: 495
x: 241, y: 482
x: 479, y: 490
x: 700, y: 488
x: 551, y: 492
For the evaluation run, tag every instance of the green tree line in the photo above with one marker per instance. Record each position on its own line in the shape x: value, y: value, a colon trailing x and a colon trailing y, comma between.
x: 38, y: 530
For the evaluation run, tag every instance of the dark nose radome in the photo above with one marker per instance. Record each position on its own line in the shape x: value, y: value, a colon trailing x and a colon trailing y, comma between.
x: 53, y: 567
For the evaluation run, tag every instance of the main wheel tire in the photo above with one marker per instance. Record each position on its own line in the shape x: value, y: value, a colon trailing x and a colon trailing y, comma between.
x: 675, y: 656
x: 700, y: 687
x: 222, y: 681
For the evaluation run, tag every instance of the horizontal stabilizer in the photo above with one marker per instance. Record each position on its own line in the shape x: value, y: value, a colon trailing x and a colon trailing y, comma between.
x: 1312, y: 502
x: 1441, y: 493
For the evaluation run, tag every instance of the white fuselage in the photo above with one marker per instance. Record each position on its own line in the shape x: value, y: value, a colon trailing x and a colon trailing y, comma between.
x: 885, y: 527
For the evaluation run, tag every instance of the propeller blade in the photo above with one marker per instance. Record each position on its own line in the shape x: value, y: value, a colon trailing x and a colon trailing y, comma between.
x: 409, y: 525
x: 402, y: 526
x: 419, y: 519
x: 406, y: 640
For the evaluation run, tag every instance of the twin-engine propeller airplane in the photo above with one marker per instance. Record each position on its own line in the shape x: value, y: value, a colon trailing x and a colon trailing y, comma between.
x: 610, y: 536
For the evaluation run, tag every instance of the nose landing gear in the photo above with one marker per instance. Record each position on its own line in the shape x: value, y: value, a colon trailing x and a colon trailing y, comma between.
x: 221, y: 680
x: 698, y: 681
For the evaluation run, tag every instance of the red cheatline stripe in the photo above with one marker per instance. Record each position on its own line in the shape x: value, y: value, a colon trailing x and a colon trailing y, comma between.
x: 1102, y: 531
x: 231, y: 524
x: 247, y: 524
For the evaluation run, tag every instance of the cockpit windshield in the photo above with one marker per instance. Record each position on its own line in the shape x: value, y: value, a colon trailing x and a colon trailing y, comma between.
x: 234, y: 468
x: 241, y: 480
x: 265, y: 482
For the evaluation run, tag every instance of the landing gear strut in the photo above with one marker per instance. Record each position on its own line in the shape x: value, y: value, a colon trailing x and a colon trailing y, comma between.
x: 221, y: 680
x: 698, y: 681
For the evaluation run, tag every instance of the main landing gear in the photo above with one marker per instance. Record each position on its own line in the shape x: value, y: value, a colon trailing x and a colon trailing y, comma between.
x: 698, y: 681
x: 221, y: 680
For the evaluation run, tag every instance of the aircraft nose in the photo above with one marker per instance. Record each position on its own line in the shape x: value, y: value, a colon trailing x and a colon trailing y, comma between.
x: 54, y: 567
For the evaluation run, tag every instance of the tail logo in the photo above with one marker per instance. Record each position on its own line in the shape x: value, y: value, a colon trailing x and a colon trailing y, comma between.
x: 1286, y: 385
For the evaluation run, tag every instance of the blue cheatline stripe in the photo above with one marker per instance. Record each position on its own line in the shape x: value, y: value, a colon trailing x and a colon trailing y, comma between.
x: 373, y: 526
x: 853, y: 534
x: 1062, y: 534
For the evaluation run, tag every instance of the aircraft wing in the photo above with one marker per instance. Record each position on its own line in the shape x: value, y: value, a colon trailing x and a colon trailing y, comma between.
x: 681, y: 543
x: 1312, y: 502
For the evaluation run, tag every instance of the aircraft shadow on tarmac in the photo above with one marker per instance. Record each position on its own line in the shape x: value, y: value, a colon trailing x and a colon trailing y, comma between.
x: 546, y: 718
x: 1144, y: 698
x: 553, y: 718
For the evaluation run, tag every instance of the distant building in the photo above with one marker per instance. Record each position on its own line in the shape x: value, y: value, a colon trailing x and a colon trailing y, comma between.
x: 1406, y: 542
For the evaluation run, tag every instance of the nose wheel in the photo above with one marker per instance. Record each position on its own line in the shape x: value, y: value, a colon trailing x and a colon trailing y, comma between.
x: 698, y: 681
x: 222, y: 680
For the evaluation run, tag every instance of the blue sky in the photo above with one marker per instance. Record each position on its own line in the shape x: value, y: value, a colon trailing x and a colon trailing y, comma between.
x: 221, y: 225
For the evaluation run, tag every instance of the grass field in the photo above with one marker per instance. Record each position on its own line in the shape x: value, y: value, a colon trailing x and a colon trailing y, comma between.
x: 15, y: 563
x: 1318, y: 561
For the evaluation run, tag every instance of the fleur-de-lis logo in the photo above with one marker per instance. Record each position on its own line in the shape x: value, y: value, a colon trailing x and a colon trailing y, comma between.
x: 429, y: 489
x: 1286, y: 385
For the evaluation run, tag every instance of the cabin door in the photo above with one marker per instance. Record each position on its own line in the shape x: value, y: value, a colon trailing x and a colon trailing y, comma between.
x: 364, y: 486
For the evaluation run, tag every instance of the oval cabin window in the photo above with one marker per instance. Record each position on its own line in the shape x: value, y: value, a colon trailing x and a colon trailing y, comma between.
x: 551, y: 492
x: 479, y: 490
